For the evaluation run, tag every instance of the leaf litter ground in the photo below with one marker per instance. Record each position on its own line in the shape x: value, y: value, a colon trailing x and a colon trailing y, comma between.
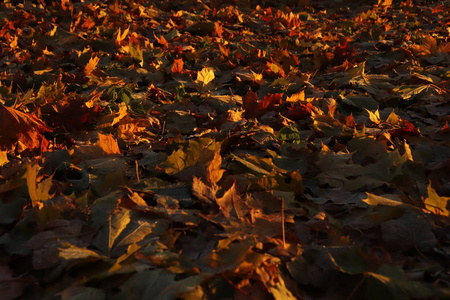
x: 224, y: 150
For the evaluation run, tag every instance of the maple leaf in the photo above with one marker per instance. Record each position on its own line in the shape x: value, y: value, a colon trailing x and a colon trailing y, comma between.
x: 231, y: 204
x: 205, y: 76
x: 91, y: 65
x: 196, y: 166
x: 177, y: 66
x: 435, y: 203
x: 21, y: 129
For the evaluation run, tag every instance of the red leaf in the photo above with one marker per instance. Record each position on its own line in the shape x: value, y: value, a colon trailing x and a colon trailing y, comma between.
x: 299, y: 112
x: 407, y: 129
x: 271, y: 101
x: 254, y: 109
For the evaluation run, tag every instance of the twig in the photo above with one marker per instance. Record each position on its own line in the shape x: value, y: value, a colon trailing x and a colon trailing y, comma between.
x: 137, y: 171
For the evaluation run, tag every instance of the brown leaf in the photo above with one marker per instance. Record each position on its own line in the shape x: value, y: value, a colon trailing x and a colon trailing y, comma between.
x: 232, y: 205
x: 203, y: 192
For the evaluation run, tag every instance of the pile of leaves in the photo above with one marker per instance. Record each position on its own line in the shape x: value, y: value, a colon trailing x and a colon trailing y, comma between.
x: 224, y: 149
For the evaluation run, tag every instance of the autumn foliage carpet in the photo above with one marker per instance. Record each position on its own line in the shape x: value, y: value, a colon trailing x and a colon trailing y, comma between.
x: 224, y: 149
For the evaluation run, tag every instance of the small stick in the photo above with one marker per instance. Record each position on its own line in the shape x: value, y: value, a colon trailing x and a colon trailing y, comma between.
x: 137, y: 171
x: 282, y: 222
x: 163, y: 128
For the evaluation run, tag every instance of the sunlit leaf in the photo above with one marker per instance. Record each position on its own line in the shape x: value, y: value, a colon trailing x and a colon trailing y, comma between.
x: 435, y: 203
x: 116, y: 223
x: 205, y: 76
x: 38, y: 189
x: 91, y: 65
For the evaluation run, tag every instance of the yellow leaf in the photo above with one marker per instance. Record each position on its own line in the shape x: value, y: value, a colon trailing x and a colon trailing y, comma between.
x: 91, y: 65
x: 205, y: 76
x: 122, y: 35
x: 3, y: 158
x: 374, y: 117
x: 393, y: 118
x: 296, y: 97
x: 13, y: 43
x: 435, y: 203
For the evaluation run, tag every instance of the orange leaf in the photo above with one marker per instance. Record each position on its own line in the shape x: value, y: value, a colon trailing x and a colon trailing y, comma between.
x: 225, y: 51
x: 445, y: 128
x: 218, y: 29
x: 296, y: 97
x: 122, y: 35
x: 177, y: 66
x: 161, y: 40
x: 91, y: 65
x: 108, y: 144
x: 384, y: 3
x: 213, y: 169
x: 350, y: 121
x: 270, y: 101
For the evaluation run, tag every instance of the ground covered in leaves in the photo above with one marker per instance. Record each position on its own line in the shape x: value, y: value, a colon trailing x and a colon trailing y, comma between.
x: 224, y: 150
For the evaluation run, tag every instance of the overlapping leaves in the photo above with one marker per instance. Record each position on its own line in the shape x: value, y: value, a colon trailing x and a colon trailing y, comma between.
x: 213, y: 150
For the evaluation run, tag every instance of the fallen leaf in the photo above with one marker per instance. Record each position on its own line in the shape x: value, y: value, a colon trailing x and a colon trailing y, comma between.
x: 205, y: 76
x: 435, y: 203
x: 21, y: 131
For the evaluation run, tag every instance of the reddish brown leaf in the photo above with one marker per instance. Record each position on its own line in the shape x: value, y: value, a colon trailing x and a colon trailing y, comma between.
x: 271, y: 101
x: 250, y: 104
x: 21, y: 131
x: 407, y: 129
x: 350, y: 121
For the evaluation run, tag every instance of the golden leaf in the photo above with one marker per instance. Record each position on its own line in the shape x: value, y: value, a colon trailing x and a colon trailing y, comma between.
x: 91, y: 65
x: 205, y: 76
